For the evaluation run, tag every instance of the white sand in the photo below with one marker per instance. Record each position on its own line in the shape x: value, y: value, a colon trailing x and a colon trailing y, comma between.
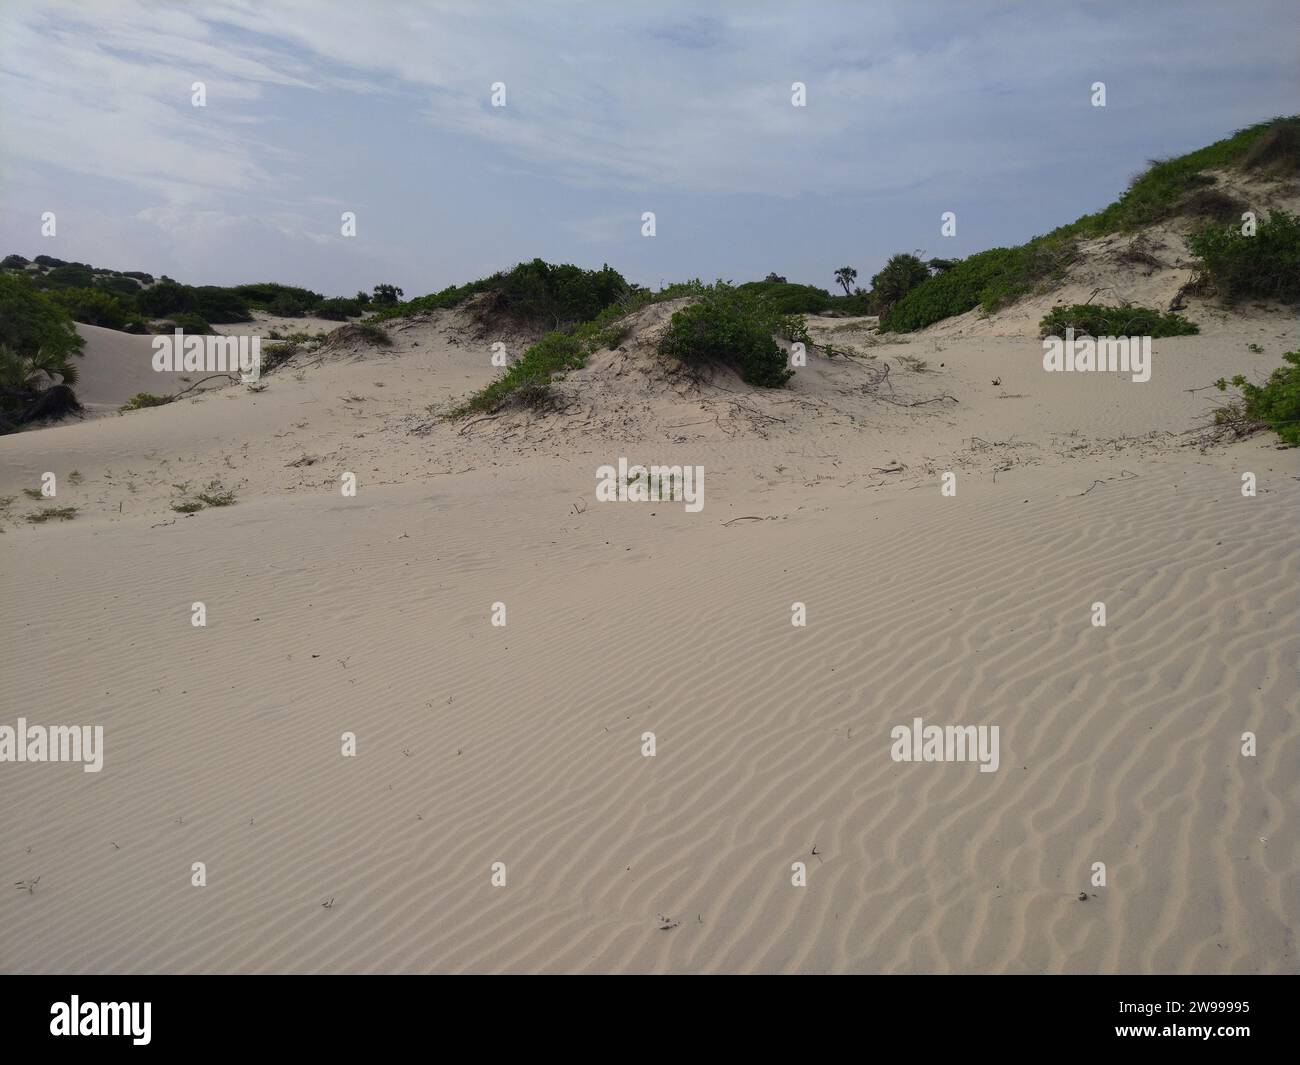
x: 522, y: 744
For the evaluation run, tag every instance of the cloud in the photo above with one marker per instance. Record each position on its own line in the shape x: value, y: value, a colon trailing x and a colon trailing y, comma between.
x: 611, y: 109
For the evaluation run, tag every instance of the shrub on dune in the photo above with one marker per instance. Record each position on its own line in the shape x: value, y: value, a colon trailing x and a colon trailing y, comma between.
x: 1265, y: 265
x: 1274, y: 404
x: 729, y: 328
x: 1100, y: 320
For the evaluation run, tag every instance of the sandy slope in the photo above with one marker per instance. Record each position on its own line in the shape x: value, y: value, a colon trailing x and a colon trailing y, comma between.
x: 522, y: 744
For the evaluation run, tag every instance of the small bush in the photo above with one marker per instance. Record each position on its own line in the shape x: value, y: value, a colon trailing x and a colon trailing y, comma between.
x: 92, y: 306
x: 787, y: 298
x: 337, y: 310
x: 45, y: 514
x: 120, y: 285
x: 287, y: 306
x: 30, y: 321
x: 1275, y: 404
x: 375, y: 334
x: 190, y: 506
x: 1266, y: 265
x: 145, y: 399
x: 216, y: 496
x: 1099, y: 320
x: 902, y: 273
x: 71, y: 276
x: 729, y: 328
x: 989, y: 279
x: 276, y: 355
x: 190, y: 323
x: 1211, y: 203
x: 1276, y: 151
x: 536, y: 293
x: 528, y: 381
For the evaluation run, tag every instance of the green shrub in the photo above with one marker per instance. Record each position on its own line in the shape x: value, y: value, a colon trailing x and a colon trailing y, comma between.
x: 729, y: 328
x: 374, y: 334
x: 37, y: 342
x: 164, y: 298
x: 1158, y: 191
x: 856, y: 305
x: 989, y: 279
x: 1275, y: 404
x: 120, y: 285
x: 337, y: 309
x: 787, y: 298
x: 902, y: 273
x: 262, y: 294
x: 528, y: 381
x: 30, y: 321
x: 1167, y: 187
x: 276, y: 355
x: 91, y: 306
x: 1266, y: 265
x: 219, y: 305
x: 536, y: 292
x: 190, y: 323
x: 215, y: 495
x: 449, y: 297
x: 287, y: 306
x: 40, y: 517
x: 213, y: 304
x: 145, y: 399
x: 71, y: 275
x: 1099, y: 320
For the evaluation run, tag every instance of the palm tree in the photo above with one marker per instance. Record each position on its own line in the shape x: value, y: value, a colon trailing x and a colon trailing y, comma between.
x: 35, y: 386
x: 845, y: 276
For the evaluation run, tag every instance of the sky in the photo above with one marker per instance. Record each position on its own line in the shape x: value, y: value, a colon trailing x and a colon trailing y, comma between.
x: 611, y: 109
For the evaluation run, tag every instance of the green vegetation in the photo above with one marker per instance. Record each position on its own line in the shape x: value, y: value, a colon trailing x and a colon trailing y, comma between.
x: 1274, y: 405
x: 31, y: 322
x: 215, y: 495
x: 145, y: 399
x: 40, y: 517
x: 1266, y: 265
x: 189, y: 323
x: 527, y: 383
x: 993, y: 278
x: 37, y: 342
x: 1099, y: 320
x: 901, y: 274
x: 190, y: 506
x: 374, y: 334
x: 125, y: 300
x: 338, y: 309
x: 989, y: 280
x: 536, y: 293
x: 728, y: 327
x: 92, y: 306
x: 786, y: 298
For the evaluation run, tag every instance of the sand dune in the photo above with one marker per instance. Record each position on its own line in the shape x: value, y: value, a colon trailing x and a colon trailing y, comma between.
x: 523, y: 744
